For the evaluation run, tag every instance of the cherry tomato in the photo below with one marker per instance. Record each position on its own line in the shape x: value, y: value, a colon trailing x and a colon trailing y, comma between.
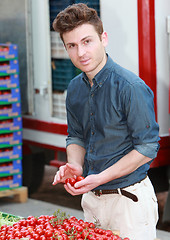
x: 72, y: 181
x: 79, y: 178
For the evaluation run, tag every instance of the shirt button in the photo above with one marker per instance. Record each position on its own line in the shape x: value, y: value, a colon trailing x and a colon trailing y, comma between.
x: 92, y: 133
x: 91, y: 150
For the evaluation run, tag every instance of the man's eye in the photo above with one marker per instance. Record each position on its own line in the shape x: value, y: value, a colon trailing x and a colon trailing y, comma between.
x: 87, y: 41
x: 71, y: 46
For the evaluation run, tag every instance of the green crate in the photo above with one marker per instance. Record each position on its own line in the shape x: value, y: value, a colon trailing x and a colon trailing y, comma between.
x: 8, y: 219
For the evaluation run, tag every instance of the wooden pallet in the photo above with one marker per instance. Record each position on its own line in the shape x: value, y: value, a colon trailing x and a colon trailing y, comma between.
x: 18, y: 194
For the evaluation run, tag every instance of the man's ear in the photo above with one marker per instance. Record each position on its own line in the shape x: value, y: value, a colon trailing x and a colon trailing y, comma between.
x: 104, y: 39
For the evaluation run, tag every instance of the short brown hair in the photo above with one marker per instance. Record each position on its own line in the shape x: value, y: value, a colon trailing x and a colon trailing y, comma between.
x: 76, y: 15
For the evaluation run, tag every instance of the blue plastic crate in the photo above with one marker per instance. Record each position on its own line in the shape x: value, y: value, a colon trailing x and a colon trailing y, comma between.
x: 9, y: 95
x: 10, y: 124
x: 57, y: 6
x: 91, y: 3
x: 9, y: 67
x: 9, y: 81
x: 10, y: 167
x: 8, y: 152
x: 10, y: 110
x: 10, y: 181
x: 62, y: 72
x: 8, y: 51
x: 11, y: 138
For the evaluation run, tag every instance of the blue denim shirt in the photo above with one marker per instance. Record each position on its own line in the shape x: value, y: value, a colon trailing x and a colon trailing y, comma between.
x: 110, y: 119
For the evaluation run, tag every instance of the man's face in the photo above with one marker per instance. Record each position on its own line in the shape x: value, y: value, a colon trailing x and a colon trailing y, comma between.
x: 86, y: 49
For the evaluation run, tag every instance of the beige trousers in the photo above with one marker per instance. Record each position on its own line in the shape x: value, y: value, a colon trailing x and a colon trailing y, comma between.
x: 136, y: 220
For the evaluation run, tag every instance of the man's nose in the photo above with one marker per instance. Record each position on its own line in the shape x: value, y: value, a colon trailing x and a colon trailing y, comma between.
x: 81, y: 50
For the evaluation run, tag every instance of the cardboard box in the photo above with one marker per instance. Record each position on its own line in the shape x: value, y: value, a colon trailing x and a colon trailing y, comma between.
x: 8, y: 51
x: 10, y: 110
x: 9, y: 95
x: 9, y: 152
x: 10, y: 124
x: 11, y: 138
x: 10, y: 167
x: 10, y: 181
x: 9, y: 81
x: 9, y: 67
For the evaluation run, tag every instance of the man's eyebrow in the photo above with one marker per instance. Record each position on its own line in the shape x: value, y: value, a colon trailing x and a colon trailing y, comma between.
x: 86, y: 38
x: 70, y: 43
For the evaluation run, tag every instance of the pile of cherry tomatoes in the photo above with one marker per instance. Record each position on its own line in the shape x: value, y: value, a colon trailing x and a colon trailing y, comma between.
x: 51, y: 227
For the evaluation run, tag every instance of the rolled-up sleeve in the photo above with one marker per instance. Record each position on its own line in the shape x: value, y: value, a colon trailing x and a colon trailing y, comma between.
x: 150, y: 149
x: 141, y: 119
x: 75, y: 135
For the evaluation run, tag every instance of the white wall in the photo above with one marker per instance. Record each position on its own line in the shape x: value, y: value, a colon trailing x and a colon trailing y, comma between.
x: 162, y: 10
x: 120, y: 22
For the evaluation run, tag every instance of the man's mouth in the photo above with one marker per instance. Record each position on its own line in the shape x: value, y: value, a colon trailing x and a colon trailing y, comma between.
x: 85, y: 61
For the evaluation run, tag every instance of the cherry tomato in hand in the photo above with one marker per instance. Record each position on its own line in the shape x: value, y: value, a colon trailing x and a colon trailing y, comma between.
x: 79, y: 178
x: 72, y: 181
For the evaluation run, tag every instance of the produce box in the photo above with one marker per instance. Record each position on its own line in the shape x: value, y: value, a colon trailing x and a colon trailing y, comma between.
x: 8, y: 219
x: 9, y: 67
x: 9, y: 152
x: 10, y: 167
x: 10, y: 110
x: 8, y: 51
x: 11, y: 138
x: 10, y: 124
x: 9, y: 95
x: 9, y: 81
x: 9, y: 181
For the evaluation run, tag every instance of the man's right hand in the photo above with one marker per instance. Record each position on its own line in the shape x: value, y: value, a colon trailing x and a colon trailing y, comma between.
x: 66, y: 171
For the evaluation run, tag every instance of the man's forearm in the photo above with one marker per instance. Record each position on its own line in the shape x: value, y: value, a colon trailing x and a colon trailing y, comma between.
x: 75, y: 154
x: 124, y: 166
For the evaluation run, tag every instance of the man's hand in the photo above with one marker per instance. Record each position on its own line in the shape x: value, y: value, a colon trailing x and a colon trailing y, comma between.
x: 66, y: 171
x: 83, y: 186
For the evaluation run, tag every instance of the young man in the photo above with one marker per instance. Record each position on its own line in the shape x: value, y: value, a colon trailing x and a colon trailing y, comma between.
x: 112, y: 132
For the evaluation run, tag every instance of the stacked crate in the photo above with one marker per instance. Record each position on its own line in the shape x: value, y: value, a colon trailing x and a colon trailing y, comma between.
x: 62, y: 68
x: 10, y: 119
x: 91, y: 3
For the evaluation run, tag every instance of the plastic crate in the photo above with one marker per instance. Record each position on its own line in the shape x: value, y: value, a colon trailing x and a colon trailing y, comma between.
x: 9, y: 95
x: 8, y: 51
x: 62, y: 72
x: 9, y: 81
x: 10, y: 167
x: 91, y: 3
x: 59, y: 105
x: 11, y: 217
x: 8, y: 152
x: 10, y: 110
x: 58, y: 50
x: 59, y: 5
x: 9, y: 181
x: 9, y: 67
x: 11, y: 138
x: 10, y: 124
x: 56, y: 6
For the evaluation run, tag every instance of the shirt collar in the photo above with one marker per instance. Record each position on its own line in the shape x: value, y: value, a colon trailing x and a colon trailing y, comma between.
x: 102, y: 75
